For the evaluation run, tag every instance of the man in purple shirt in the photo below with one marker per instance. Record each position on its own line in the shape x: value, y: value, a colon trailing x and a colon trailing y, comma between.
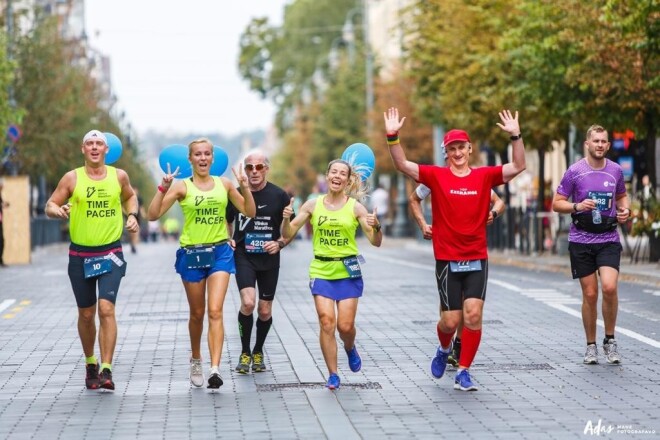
x: 598, y: 203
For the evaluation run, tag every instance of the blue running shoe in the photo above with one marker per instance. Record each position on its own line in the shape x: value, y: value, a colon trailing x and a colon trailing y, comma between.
x: 354, y: 360
x: 333, y: 382
x: 463, y: 382
x: 439, y: 362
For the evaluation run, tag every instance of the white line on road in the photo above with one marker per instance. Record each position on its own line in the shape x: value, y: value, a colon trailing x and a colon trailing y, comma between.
x: 6, y: 304
x: 549, y: 297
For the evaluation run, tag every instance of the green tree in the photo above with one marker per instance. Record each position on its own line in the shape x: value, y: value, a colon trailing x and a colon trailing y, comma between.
x: 593, y: 61
x: 278, y: 62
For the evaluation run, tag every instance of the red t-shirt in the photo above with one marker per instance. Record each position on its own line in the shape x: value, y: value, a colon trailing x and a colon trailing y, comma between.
x: 460, y: 208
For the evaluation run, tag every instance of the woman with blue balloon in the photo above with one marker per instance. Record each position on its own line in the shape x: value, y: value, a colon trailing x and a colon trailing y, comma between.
x: 205, y: 259
x: 335, y: 273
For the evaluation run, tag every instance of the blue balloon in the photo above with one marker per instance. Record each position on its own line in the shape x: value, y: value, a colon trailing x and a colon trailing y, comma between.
x: 361, y: 158
x: 114, y: 148
x: 176, y: 156
x: 220, y: 161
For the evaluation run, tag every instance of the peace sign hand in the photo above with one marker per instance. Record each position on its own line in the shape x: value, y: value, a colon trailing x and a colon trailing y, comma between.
x: 240, y: 176
x: 169, y: 177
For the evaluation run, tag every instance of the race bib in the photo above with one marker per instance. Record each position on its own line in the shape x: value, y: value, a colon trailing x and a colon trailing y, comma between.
x: 95, y: 266
x: 200, y: 258
x: 352, y: 267
x: 603, y: 199
x: 255, y: 241
x: 465, y: 266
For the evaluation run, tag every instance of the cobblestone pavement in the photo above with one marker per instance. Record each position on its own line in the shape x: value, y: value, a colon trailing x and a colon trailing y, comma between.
x: 529, y: 367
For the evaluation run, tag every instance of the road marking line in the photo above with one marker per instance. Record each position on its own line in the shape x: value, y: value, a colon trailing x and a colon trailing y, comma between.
x: 6, y: 304
x: 557, y: 305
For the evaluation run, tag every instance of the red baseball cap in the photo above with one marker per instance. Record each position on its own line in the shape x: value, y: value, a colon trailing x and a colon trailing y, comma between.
x: 456, y: 136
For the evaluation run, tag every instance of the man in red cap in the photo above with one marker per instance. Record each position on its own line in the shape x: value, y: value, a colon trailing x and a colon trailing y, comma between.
x: 459, y: 239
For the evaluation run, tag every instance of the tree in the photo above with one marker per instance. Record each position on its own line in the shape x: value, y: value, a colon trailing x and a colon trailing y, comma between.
x: 278, y: 62
x: 593, y: 61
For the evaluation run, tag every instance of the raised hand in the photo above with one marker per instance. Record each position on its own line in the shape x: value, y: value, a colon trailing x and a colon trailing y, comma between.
x: 240, y: 176
x: 392, y: 122
x: 509, y: 122
x: 288, y: 210
x: 169, y: 177
x: 372, y: 218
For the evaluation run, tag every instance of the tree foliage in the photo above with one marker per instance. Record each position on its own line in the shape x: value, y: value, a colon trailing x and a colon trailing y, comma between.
x: 278, y: 62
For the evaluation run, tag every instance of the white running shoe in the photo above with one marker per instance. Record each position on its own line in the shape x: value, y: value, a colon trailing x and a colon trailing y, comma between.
x: 611, y: 352
x: 591, y: 355
x: 196, y: 372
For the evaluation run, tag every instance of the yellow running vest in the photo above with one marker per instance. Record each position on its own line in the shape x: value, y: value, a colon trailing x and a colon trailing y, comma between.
x: 334, y: 236
x: 96, y: 218
x: 204, y: 219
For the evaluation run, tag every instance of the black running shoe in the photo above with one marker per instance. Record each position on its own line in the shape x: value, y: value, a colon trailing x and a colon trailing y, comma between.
x: 92, y: 377
x: 215, y: 381
x: 105, y: 380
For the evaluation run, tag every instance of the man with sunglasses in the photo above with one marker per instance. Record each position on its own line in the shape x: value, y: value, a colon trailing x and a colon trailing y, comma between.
x: 257, y: 245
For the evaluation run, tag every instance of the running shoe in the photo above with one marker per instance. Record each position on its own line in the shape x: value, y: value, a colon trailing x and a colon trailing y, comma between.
x: 92, y: 377
x: 439, y: 362
x: 591, y: 355
x: 333, y: 382
x: 105, y: 379
x: 611, y: 352
x: 463, y: 382
x: 243, y: 366
x: 354, y: 360
x: 196, y: 373
x: 215, y: 381
x: 258, y: 365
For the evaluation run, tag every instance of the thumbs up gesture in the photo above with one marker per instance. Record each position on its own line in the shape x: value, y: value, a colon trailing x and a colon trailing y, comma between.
x: 372, y: 219
x: 288, y: 210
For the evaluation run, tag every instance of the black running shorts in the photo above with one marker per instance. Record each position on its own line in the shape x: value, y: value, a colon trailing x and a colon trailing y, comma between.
x: 587, y: 258
x: 454, y: 287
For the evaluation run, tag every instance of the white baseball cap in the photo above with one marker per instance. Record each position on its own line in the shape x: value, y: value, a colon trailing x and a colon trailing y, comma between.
x: 95, y: 134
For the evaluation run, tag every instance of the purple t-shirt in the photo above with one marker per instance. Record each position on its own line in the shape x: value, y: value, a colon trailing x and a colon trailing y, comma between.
x: 582, y: 182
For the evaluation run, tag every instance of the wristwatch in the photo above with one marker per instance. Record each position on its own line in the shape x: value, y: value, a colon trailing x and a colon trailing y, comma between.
x: 515, y: 138
x: 494, y: 214
x: 134, y: 214
x: 377, y: 227
x: 575, y: 207
x: 281, y: 244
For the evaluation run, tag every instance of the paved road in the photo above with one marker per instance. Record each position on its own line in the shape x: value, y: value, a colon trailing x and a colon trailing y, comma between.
x: 529, y: 367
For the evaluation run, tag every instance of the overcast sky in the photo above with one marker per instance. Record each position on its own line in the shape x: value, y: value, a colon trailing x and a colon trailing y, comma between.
x: 174, y: 64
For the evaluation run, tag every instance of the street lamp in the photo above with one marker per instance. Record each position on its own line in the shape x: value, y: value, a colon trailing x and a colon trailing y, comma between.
x: 348, y: 35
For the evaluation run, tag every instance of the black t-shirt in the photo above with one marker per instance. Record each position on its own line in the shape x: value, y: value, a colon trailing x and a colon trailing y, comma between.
x: 250, y: 233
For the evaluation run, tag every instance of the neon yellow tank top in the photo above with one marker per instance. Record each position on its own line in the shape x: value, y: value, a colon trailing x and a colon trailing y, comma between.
x: 204, y: 214
x: 96, y: 218
x: 334, y: 236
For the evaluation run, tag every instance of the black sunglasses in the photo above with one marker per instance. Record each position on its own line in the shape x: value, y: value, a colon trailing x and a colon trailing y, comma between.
x: 258, y: 167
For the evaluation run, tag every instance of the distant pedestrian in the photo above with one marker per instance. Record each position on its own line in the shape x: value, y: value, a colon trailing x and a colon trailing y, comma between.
x: 598, y: 203
x: 92, y: 198
x: 460, y: 199
x: 335, y: 273
x: 205, y: 259
x: 380, y: 199
x: 257, y: 245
